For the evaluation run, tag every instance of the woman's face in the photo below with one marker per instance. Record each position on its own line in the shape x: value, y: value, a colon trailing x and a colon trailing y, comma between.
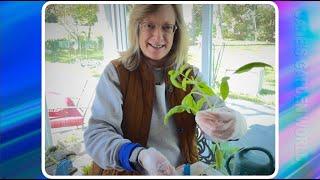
x: 157, y: 32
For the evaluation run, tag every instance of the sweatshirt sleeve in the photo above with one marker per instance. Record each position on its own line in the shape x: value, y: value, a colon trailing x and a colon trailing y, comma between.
x: 103, y: 137
x: 219, y: 105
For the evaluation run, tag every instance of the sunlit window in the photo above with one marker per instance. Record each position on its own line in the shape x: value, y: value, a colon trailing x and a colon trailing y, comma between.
x: 243, y: 34
x: 79, y: 42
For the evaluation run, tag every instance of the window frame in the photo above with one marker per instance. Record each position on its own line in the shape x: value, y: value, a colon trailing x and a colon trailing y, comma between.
x: 116, y: 17
x: 207, y: 45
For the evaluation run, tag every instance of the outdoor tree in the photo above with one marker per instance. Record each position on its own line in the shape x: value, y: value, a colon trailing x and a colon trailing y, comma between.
x: 218, y: 26
x: 265, y: 18
x: 71, y: 17
x: 248, y: 22
x: 195, y: 27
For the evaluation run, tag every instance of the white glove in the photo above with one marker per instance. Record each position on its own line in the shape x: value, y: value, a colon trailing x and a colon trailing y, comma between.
x: 218, y: 123
x: 155, y: 163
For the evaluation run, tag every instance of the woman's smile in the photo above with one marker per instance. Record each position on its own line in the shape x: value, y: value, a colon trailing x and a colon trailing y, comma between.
x: 156, y: 33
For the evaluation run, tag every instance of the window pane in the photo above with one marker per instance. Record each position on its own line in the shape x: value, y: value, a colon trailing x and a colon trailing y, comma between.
x: 245, y: 33
x: 192, y: 16
x: 78, y: 45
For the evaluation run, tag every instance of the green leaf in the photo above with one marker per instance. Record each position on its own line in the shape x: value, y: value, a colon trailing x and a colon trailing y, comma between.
x: 175, y: 82
x: 213, y: 147
x: 218, y: 158
x: 184, y: 84
x: 188, y: 72
x: 228, y: 149
x: 185, y: 80
x: 171, y: 72
x: 249, y: 66
x: 194, y: 111
x: 172, y: 111
x: 204, y: 88
x: 224, y: 87
x: 189, y: 103
x: 200, y: 103
x: 182, y: 68
x: 173, y: 78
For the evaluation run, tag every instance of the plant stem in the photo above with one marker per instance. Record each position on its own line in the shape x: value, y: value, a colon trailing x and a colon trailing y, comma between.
x: 188, y: 78
x: 218, y: 145
x: 194, y: 82
x: 207, y: 100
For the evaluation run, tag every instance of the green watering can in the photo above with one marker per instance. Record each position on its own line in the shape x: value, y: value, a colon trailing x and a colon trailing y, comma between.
x: 250, y: 161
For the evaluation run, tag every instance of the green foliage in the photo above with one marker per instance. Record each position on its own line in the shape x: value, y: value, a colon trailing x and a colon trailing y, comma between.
x: 85, y: 15
x: 82, y: 14
x: 218, y: 154
x: 62, y: 50
x: 172, y: 111
x: 235, y: 22
x: 221, y: 152
x: 194, y: 29
x: 244, y: 22
x: 200, y: 88
x: 70, y: 17
x: 173, y: 79
x: 200, y: 103
x: 204, y: 88
x: 248, y: 67
x: 50, y: 15
x: 71, y: 139
x: 228, y: 150
x: 188, y: 103
x: 224, y: 88
x: 266, y: 23
x: 86, y: 170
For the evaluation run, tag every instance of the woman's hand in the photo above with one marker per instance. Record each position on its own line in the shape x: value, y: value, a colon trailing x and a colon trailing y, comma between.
x: 155, y: 163
x: 219, y: 123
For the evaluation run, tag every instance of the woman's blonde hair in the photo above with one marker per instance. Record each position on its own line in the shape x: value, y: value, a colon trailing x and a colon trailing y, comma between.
x: 178, y: 53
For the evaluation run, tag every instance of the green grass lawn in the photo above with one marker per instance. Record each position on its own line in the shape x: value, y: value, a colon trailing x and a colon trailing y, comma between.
x: 268, y: 88
x: 266, y: 95
x: 259, y: 52
x: 66, y: 56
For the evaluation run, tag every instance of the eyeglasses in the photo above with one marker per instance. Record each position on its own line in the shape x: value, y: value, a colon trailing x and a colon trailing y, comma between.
x: 150, y: 27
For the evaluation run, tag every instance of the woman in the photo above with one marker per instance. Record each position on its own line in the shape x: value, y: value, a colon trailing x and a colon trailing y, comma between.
x: 126, y: 134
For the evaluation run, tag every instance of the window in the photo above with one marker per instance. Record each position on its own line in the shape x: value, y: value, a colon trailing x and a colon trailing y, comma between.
x: 79, y: 42
x: 244, y: 33
x: 192, y: 16
x: 241, y: 34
